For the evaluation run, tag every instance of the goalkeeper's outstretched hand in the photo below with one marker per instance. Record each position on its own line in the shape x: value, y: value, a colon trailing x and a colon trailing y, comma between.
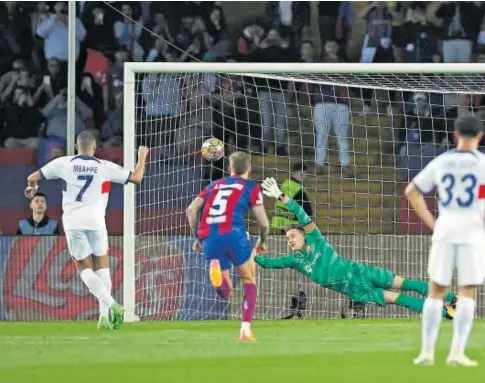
x: 270, y: 188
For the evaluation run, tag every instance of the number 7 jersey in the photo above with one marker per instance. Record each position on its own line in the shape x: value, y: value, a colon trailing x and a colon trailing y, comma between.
x: 459, y: 178
x: 226, y: 203
x: 86, y: 183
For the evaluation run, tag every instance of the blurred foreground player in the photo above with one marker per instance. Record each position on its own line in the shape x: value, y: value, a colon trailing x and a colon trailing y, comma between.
x: 86, y: 186
x: 315, y: 258
x: 222, y: 236
x: 458, y: 236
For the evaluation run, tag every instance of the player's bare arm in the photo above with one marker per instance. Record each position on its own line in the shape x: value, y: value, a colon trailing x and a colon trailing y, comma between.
x: 139, y: 172
x: 416, y: 199
x: 32, y: 184
x: 262, y: 218
x: 193, y: 218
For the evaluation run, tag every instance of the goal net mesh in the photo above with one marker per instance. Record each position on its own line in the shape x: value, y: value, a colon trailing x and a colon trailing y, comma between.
x: 362, y: 137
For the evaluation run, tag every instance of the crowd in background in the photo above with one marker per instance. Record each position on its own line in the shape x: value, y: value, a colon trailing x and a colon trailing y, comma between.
x: 251, y: 112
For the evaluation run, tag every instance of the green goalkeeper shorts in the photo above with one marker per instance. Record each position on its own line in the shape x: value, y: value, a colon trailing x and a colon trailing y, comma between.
x: 368, y: 284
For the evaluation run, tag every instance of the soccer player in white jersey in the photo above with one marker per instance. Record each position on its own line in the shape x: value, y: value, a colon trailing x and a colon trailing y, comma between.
x: 86, y: 186
x: 458, y: 236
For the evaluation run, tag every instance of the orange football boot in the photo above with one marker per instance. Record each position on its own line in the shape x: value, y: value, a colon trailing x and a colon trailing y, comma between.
x: 215, y: 273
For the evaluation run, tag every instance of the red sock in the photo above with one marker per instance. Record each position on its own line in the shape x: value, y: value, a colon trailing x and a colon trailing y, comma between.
x: 249, y: 302
x: 225, y: 291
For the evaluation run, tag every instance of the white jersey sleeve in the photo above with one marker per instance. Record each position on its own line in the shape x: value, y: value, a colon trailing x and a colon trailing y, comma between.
x: 458, y: 176
x: 53, y: 170
x: 116, y: 173
x: 425, y: 180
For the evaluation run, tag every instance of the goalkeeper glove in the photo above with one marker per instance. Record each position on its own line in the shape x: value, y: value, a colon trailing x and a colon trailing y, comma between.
x: 271, y: 189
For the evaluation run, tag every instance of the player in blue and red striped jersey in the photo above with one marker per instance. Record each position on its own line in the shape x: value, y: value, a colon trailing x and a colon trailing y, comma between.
x: 221, y: 233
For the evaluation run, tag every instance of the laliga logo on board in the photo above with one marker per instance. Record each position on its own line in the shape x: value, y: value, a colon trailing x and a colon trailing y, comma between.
x: 41, y: 282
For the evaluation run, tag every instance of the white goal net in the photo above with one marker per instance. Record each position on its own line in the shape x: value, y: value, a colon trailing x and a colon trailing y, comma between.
x: 358, y: 132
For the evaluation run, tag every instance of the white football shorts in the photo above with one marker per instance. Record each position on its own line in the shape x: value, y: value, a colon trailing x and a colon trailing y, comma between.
x: 83, y: 243
x: 467, y: 259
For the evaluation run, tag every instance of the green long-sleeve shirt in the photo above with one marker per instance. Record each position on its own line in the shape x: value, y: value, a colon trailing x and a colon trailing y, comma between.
x: 317, y: 261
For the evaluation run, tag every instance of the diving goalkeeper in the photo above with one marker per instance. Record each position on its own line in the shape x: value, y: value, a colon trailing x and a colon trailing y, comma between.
x: 315, y: 258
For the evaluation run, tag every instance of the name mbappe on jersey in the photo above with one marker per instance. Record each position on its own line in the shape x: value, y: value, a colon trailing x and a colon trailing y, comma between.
x: 226, y: 204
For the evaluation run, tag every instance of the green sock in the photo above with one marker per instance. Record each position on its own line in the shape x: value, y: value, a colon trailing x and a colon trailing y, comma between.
x: 412, y: 303
x: 421, y: 288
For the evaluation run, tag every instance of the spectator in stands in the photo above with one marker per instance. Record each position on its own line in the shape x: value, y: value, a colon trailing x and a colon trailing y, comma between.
x: 331, y: 112
x: 335, y: 19
x: 162, y: 95
x: 99, y: 21
x: 419, y: 36
x: 56, y: 114
x: 160, y: 26
x: 39, y: 223
x: 460, y: 24
x: 37, y: 16
x: 90, y: 93
x: 230, y: 116
x: 377, y: 46
x: 15, y: 33
x: 307, y: 52
x: 272, y: 94
x: 112, y: 130
x: 292, y: 16
x: 54, y: 30
x: 294, y: 188
x: 128, y: 33
x: 250, y: 39
x: 480, y: 43
x: 378, y: 29
x: 22, y: 121
x: 52, y: 83
x: 19, y: 76
x: 114, y: 81
x: 216, y: 26
x: 417, y: 126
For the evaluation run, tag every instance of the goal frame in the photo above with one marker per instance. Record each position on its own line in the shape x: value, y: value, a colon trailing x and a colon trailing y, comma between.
x: 129, y: 120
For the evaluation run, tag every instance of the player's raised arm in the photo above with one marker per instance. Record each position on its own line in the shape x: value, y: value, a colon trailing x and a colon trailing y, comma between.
x: 120, y: 175
x: 271, y: 189
x: 50, y: 171
x: 422, y: 183
x: 284, y: 262
x: 257, y: 207
x: 137, y: 175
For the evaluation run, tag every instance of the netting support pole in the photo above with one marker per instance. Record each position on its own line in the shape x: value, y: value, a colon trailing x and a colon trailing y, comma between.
x: 71, y: 81
x: 129, y: 154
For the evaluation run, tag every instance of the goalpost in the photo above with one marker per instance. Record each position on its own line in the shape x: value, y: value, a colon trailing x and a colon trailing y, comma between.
x: 172, y: 107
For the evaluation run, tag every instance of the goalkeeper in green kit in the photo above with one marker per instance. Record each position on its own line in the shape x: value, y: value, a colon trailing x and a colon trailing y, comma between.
x: 315, y: 258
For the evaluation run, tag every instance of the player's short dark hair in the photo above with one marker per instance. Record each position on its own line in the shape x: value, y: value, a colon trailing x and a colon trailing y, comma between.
x: 240, y: 163
x: 39, y: 194
x: 468, y: 126
x: 299, y: 167
x: 295, y: 227
x: 85, y: 140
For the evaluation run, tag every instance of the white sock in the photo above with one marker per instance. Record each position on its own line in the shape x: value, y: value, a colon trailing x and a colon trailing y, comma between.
x: 105, y: 276
x: 432, y: 313
x: 96, y: 286
x: 462, y: 325
x: 246, y: 326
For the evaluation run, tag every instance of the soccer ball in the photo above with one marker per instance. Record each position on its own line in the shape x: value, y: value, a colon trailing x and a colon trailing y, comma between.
x: 212, y: 149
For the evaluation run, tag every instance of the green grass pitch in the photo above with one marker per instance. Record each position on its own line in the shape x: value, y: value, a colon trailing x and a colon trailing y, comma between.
x: 287, y: 351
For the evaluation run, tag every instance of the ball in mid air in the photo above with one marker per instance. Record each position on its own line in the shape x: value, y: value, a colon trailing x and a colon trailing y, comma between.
x: 212, y: 149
